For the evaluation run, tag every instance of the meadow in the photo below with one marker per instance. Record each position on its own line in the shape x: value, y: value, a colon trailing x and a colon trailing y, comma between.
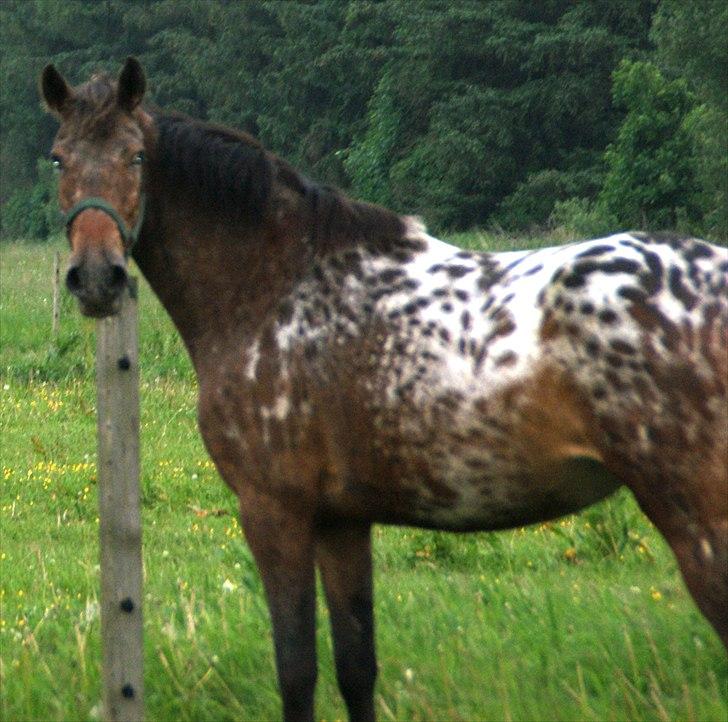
x: 582, y: 618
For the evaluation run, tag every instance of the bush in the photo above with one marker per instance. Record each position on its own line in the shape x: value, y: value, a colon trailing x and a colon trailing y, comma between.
x: 532, y: 203
x: 32, y: 213
x: 582, y: 218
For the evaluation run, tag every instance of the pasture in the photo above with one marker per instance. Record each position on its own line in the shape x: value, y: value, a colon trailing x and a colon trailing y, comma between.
x: 582, y: 618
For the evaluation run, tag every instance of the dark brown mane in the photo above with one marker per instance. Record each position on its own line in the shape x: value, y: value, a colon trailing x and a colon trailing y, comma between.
x: 229, y: 173
x: 219, y: 169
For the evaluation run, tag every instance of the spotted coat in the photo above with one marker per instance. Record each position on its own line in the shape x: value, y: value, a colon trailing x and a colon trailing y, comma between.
x: 465, y: 390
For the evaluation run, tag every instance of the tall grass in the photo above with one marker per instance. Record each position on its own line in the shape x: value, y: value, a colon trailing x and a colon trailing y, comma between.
x: 583, y: 618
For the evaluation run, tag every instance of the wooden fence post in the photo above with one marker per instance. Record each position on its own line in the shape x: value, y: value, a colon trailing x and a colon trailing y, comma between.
x: 117, y: 380
x: 56, y: 295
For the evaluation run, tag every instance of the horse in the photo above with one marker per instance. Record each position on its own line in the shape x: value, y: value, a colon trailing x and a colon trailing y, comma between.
x: 355, y: 370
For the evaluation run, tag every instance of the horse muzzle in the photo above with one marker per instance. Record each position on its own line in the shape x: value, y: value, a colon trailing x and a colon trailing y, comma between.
x: 97, y: 281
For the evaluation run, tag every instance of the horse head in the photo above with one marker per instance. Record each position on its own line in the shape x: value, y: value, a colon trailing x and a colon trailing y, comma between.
x: 99, y: 154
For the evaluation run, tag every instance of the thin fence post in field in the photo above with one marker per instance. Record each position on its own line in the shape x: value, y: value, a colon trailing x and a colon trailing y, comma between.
x: 117, y: 380
x: 56, y: 295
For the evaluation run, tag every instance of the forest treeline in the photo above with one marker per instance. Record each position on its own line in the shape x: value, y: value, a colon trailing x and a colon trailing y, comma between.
x: 593, y: 114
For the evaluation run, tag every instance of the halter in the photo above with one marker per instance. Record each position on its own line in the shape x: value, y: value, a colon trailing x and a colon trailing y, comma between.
x: 129, y: 235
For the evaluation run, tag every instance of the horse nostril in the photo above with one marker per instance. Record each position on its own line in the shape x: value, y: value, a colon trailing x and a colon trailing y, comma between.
x: 118, y: 277
x: 73, y: 280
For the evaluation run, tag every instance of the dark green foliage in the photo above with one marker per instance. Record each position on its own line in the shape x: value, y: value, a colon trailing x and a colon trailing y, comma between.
x: 690, y: 40
x: 321, y: 73
x: 32, y: 212
x: 467, y: 112
x: 534, y: 200
x: 650, y: 180
x: 480, y: 97
x: 23, y: 215
x: 463, y: 165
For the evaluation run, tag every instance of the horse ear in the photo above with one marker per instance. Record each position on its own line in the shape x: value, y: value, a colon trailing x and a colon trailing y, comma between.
x: 131, y: 84
x: 56, y: 91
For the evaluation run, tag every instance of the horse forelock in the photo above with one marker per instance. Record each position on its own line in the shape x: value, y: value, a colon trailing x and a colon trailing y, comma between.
x: 94, y: 111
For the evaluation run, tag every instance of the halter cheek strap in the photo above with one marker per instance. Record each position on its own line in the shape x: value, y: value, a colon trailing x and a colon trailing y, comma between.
x: 129, y: 235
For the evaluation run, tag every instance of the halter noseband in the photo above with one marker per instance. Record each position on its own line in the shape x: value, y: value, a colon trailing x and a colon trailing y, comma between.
x: 129, y: 235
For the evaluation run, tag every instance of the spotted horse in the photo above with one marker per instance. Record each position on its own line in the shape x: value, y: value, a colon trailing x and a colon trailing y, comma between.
x: 355, y: 370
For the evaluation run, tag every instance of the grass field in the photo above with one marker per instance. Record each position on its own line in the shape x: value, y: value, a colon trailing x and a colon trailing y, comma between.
x: 584, y: 618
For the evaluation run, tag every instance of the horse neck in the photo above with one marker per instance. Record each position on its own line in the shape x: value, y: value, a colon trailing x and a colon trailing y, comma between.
x: 216, y: 279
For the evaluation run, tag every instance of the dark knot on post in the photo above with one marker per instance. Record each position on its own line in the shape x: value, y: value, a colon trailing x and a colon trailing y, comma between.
x: 127, y: 605
x: 124, y: 363
x: 127, y: 691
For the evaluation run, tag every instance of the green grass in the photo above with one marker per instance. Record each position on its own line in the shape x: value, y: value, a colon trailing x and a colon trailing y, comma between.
x: 585, y: 618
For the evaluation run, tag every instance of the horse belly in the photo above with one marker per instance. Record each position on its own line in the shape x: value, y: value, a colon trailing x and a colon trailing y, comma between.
x: 489, y: 460
x: 510, y: 496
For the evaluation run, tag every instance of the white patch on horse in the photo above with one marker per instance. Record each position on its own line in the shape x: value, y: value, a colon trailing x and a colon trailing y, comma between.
x: 252, y: 362
x: 278, y: 410
x: 706, y: 549
x: 281, y: 407
x: 232, y: 432
x: 450, y: 321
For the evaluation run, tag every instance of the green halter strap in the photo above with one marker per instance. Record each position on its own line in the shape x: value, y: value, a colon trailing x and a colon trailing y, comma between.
x: 129, y: 235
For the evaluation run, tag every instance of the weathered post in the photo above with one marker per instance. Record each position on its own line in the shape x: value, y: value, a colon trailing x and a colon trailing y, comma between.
x: 117, y: 380
x: 56, y: 295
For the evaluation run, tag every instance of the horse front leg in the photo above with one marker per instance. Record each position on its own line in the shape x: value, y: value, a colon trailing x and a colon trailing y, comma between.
x: 281, y: 540
x: 343, y: 553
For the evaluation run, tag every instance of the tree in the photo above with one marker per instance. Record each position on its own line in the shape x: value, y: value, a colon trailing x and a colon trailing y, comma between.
x: 477, y: 98
x: 690, y: 42
x: 467, y: 112
x: 650, y: 177
x: 323, y: 71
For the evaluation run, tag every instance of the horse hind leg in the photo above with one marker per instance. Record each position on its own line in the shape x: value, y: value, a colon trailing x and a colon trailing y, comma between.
x: 343, y: 553
x: 702, y: 553
x: 692, y: 514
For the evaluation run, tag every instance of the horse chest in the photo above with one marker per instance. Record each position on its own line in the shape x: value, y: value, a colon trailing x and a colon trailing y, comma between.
x: 255, y: 419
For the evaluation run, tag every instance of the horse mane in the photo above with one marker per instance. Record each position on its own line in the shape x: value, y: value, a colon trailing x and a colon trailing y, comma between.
x: 231, y: 174
x: 220, y: 169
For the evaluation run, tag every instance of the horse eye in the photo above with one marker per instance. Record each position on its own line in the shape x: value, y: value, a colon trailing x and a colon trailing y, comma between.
x: 138, y: 159
x: 56, y: 162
